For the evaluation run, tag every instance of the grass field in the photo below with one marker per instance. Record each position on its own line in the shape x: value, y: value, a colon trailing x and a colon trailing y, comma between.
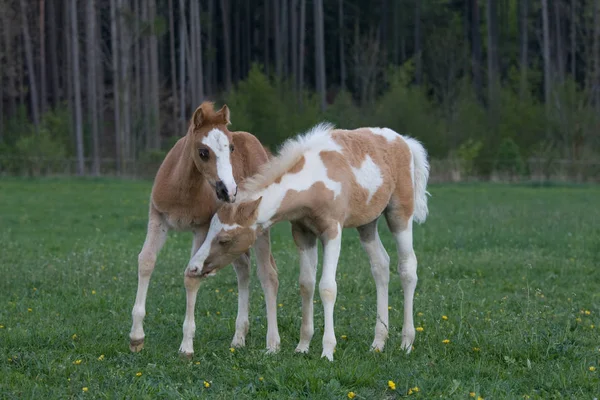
x: 514, y: 269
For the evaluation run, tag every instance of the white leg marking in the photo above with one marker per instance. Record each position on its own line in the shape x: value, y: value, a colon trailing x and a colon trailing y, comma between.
x: 328, y: 290
x: 308, y: 279
x: 192, y: 284
x: 242, y: 324
x: 155, y: 239
x: 380, y: 268
x: 407, y: 268
x: 267, y: 274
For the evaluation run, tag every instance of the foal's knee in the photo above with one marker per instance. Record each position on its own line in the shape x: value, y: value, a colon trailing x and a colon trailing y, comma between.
x: 407, y: 269
x: 146, y: 262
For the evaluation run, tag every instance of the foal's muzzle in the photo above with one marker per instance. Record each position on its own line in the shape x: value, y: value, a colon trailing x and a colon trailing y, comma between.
x: 223, y: 194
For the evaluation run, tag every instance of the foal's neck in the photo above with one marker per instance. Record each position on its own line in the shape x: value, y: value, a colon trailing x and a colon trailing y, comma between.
x: 186, y: 171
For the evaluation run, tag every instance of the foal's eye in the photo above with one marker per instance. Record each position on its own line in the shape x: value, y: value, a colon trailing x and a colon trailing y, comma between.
x: 224, y: 240
x: 203, y: 153
x: 231, y: 148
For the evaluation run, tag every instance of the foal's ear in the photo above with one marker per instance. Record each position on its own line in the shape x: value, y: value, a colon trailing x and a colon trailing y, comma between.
x: 201, y: 113
x: 224, y: 111
x: 248, y: 211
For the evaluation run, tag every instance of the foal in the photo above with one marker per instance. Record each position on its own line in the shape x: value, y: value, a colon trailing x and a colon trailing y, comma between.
x: 322, y: 182
x: 197, y: 175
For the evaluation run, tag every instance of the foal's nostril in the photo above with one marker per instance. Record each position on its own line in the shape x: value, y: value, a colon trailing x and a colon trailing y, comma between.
x: 221, y: 191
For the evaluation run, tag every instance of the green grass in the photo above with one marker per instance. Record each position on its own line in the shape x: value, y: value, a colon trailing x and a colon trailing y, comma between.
x: 515, y: 270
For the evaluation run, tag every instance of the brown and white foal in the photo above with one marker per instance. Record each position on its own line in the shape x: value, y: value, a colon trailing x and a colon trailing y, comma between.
x: 322, y: 182
x: 197, y: 175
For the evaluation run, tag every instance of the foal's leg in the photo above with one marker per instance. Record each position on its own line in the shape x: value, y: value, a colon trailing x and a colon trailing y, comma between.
x: 407, y: 268
x: 267, y: 274
x: 380, y: 268
x: 192, y: 284
x: 242, y: 271
x: 306, y: 242
x: 332, y: 240
x: 155, y: 239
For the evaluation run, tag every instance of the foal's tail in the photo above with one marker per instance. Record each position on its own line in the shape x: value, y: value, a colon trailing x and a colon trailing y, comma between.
x: 420, y: 175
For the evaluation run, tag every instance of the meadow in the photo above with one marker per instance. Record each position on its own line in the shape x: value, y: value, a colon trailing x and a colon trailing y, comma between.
x: 507, y: 303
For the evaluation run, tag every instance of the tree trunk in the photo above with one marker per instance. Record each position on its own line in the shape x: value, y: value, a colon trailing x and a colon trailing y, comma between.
x: 125, y: 48
x: 492, y: 33
x: 43, y: 92
x: 237, y: 49
x: 476, y: 54
x: 210, y: 55
x: 283, y: 31
x: 573, y: 40
x: 266, y: 40
x: 277, y: 37
x: 301, y: 49
x: 154, y: 78
x: 116, y: 84
x: 92, y: 101
x: 560, y: 56
x: 319, y: 52
x: 226, y: 42
x: 77, y: 89
x: 342, y: 44
x: 596, y: 82
x: 294, y: 41
x: 182, y: 44
x: 52, y: 18
x: 418, y: 48
x: 33, y: 94
x: 172, y: 60
x: 546, y: 52
x: 199, y: 61
x: 11, y: 87
x: 139, y: 110
x: 524, y: 45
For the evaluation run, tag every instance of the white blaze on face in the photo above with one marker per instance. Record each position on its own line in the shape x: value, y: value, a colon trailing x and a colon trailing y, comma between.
x: 368, y: 176
x: 219, y: 143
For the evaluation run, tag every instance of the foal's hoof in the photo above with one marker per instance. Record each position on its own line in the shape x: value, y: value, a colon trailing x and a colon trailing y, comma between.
x: 186, y: 356
x: 136, y: 345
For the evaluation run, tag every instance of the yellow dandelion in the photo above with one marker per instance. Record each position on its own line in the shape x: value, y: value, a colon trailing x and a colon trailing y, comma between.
x: 77, y: 362
x: 578, y: 319
x: 351, y: 395
x: 280, y: 304
x: 476, y: 349
x: 526, y: 396
x: 446, y: 341
x: 138, y: 374
x: 218, y: 312
x: 587, y: 312
x: 410, y: 391
x: 206, y: 384
x: 34, y: 289
x: 1, y: 326
x: 416, y: 389
x: 480, y: 398
x: 197, y: 363
x: 592, y: 326
x: 420, y: 329
x: 93, y: 292
x: 85, y: 389
x: 445, y: 317
x: 74, y: 336
x: 472, y: 394
x: 30, y: 309
x: 114, y: 278
x: 216, y: 290
x: 230, y: 290
x: 314, y: 302
x: 592, y: 368
x: 343, y: 308
x: 420, y: 314
x: 392, y: 385
x: 389, y: 307
x: 344, y: 337
x: 101, y: 357
x: 260, y: 378
x: 231, y: 349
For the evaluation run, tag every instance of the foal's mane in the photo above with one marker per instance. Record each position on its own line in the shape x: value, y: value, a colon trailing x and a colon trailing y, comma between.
x: 288, y: 155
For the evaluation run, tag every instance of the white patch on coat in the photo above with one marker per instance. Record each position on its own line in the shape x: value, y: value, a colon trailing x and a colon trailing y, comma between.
x: 201, y: 255
x: 368, y: 176
x: 313, y: 171
x: 219, y: 143
x: 387, y: 133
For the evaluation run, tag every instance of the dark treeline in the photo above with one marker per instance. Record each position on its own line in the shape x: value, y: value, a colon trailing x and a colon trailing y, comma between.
x: 489, y: 84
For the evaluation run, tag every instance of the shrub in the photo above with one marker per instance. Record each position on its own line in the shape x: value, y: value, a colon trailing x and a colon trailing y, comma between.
x: 508, y: 159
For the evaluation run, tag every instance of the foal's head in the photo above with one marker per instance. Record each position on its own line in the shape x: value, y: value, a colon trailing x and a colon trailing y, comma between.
x: 232, y: 232
x: 210, y: 144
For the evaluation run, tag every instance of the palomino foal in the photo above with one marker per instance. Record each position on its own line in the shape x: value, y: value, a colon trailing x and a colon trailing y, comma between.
x: 322, y: 182
x: 200, y: 172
